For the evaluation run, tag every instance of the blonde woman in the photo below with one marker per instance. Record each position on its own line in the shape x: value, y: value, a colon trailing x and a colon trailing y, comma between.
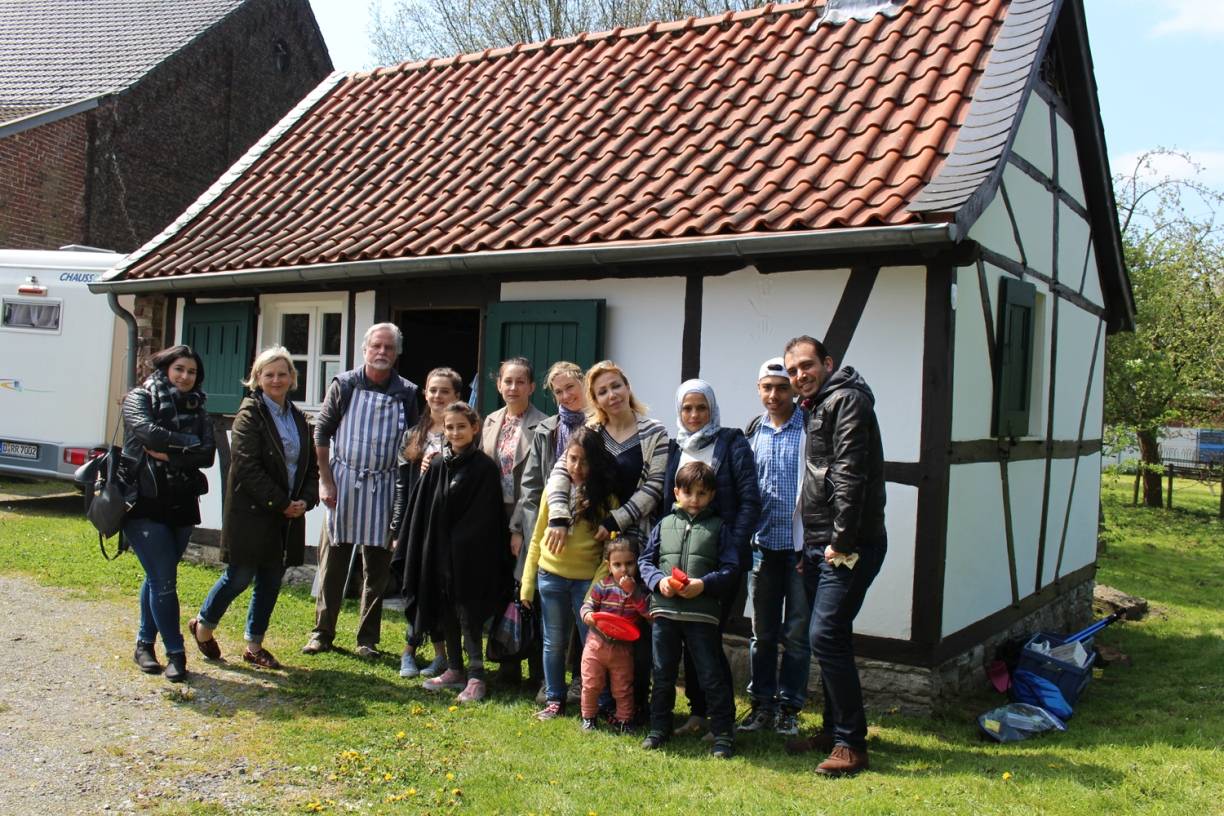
x: 273, y: 480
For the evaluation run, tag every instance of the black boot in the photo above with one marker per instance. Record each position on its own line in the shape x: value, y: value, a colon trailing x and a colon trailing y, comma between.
x: 176, y: 667
x: 146, y: 658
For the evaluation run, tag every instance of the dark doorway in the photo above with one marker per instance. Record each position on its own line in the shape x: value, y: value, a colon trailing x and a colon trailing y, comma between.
x: 439, y: 337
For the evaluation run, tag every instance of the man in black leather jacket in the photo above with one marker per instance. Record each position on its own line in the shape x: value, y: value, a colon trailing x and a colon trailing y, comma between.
x: 844, y: 540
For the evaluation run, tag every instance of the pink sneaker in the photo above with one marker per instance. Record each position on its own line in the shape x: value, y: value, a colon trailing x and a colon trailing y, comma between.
x: 449, y: 679
x: 473, y: 692
x: 552, y: 711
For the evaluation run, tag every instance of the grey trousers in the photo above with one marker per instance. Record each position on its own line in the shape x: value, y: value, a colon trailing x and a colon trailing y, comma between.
x: 333, y: 568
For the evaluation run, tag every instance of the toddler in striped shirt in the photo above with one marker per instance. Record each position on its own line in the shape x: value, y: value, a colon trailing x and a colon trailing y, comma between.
x: 603, y: 656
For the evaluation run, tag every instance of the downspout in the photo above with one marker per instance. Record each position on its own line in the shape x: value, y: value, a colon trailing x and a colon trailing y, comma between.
x: 127, y: 317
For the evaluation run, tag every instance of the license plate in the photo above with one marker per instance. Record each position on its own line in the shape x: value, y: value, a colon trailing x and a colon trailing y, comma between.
x: 19, y: 450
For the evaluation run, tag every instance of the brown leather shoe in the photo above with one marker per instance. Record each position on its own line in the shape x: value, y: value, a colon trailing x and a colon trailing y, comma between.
x: 209, y: 648
x: 821, y: 741
x: 260, y: 657
x: 844, y: 761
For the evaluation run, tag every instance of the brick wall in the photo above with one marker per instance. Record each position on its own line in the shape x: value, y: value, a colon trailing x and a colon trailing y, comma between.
x: 165, y: 140
x: 150, y: 313
x: 42, y: 185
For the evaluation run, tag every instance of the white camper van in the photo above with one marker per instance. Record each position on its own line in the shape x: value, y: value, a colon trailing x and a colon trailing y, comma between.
x: 62, y: 353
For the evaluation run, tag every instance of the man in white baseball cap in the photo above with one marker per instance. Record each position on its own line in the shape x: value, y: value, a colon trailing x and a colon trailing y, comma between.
x: 777, y: 598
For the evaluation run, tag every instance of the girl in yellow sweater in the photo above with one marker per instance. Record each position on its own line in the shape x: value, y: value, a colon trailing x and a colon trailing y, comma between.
x: 564, y: 575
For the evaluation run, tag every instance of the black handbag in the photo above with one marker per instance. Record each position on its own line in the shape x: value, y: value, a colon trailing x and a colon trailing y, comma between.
x: 108, y: 496
x: 512, y: 634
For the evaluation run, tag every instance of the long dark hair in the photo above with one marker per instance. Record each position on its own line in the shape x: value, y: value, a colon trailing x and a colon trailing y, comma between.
x: 601, y: 470
x: 418, y: 437
x: 162, y: 361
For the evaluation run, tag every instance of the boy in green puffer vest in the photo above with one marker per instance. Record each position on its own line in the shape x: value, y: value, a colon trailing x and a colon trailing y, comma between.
x: 693, y: 541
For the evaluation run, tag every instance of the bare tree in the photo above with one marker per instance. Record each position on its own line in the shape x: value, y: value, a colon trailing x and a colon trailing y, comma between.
x: 418, y: 29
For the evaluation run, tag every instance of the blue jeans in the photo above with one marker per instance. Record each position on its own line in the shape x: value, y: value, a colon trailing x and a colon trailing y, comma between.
x: 704, y: 643
x: 837, y: 596
x: 780, y: 612
x: 159, y: 547
x: 231, y: 584
x: 560, y: 601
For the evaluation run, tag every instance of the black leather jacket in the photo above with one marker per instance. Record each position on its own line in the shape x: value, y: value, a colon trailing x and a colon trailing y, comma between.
x: 843, y: 489
x: 190, y: 448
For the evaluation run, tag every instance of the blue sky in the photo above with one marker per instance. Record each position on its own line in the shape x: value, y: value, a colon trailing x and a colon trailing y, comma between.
x: 1159, y: 67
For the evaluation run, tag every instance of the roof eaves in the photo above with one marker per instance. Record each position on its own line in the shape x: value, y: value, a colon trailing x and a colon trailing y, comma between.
x: 46, y: 117
x: 745, y: 247
x: 232, y: 174
x: 969, y: 177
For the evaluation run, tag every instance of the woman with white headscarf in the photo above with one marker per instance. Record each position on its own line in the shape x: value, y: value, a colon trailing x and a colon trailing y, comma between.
x: 700, y: 437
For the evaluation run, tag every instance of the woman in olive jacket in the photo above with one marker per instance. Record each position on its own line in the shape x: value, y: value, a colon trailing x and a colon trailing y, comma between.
x: 273, y: 480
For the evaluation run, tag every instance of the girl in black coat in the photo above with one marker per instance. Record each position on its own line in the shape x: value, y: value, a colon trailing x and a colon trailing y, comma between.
x: 167, y: 439
x: 458, y: 568
x: 273, y: 480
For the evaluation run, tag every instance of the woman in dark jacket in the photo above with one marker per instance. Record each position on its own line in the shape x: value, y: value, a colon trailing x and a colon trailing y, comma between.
x: 273, y: 481
x: 737, y: 500
x: 167, y: 439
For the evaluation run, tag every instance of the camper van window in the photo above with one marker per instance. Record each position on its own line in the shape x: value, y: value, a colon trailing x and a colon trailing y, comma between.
x: 31, y: 315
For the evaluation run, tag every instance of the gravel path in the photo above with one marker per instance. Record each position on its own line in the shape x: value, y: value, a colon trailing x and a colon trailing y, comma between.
x: 83, y: 731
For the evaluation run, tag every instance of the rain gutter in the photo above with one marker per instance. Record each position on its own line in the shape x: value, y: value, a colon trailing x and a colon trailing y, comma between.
x: 748, y: 248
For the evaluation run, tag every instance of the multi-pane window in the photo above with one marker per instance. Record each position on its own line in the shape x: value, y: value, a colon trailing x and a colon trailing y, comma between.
x: 314, y: 334
x: 1014, y: 348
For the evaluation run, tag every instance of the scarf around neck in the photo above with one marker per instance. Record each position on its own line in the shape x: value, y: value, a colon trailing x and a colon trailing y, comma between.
x: 168, y: 401
x: 569, y: 421
x: 696, y: 440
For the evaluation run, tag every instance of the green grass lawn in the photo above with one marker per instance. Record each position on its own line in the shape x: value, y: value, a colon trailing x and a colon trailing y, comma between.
x: 354, y: 737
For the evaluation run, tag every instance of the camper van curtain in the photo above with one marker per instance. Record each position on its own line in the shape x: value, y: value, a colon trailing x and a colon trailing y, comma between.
x: 32, y: 315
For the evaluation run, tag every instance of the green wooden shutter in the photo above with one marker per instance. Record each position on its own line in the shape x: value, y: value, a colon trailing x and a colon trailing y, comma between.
x: 222, y: 334
x: 1014, y: 348
x: 543, y: 331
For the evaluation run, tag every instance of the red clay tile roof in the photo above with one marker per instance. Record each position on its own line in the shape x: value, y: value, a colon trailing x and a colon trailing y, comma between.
x: 750, y: 123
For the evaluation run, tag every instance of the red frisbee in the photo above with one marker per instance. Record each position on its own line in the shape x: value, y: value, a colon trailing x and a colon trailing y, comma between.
x: 615, y: 626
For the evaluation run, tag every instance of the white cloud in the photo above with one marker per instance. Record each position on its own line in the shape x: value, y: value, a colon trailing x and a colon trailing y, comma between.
x: 1202, y: 17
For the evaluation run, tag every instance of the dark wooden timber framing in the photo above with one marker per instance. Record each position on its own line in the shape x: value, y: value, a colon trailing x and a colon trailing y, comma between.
x: 992, y: 348
x: 690, y: 343
x: 906, y: 473
x: 350, y: 309
x: 850, y: 310
x: 1023, y: 165
x: 976, y: 451
x: 1021, y: 271
x: 931, y: 524
x: 913, y: 653
x: 1011, y: 217
x: 1055, y: 190
x: 169, y: 336
x: 1055, y: 101
x: 974, y: 633
x: 1009, y: 535
x: 1087, y: 257
x: 1085, y: 115
x: 1062, y: 542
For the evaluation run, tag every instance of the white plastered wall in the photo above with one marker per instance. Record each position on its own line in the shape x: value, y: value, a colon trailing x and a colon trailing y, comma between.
x: 747, y: 317
x: 888, y: 609
x: 643, y: 329
x: 976, y: 581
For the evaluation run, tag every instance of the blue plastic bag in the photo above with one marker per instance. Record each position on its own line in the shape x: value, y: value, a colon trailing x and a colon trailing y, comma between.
x: 1018, y: 721
x: 1035, y: 690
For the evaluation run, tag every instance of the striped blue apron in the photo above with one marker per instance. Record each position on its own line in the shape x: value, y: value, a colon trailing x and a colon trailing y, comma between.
x: 363, y: 460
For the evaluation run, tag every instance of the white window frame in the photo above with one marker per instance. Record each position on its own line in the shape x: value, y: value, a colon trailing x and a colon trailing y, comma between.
x: 273, y: 308
x: 35, y: 300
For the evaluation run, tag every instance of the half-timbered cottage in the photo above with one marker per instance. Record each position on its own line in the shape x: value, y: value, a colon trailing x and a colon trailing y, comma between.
x: 924, y: 184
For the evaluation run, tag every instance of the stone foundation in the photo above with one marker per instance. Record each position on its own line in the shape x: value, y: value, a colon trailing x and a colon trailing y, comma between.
x: 920, y: 689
